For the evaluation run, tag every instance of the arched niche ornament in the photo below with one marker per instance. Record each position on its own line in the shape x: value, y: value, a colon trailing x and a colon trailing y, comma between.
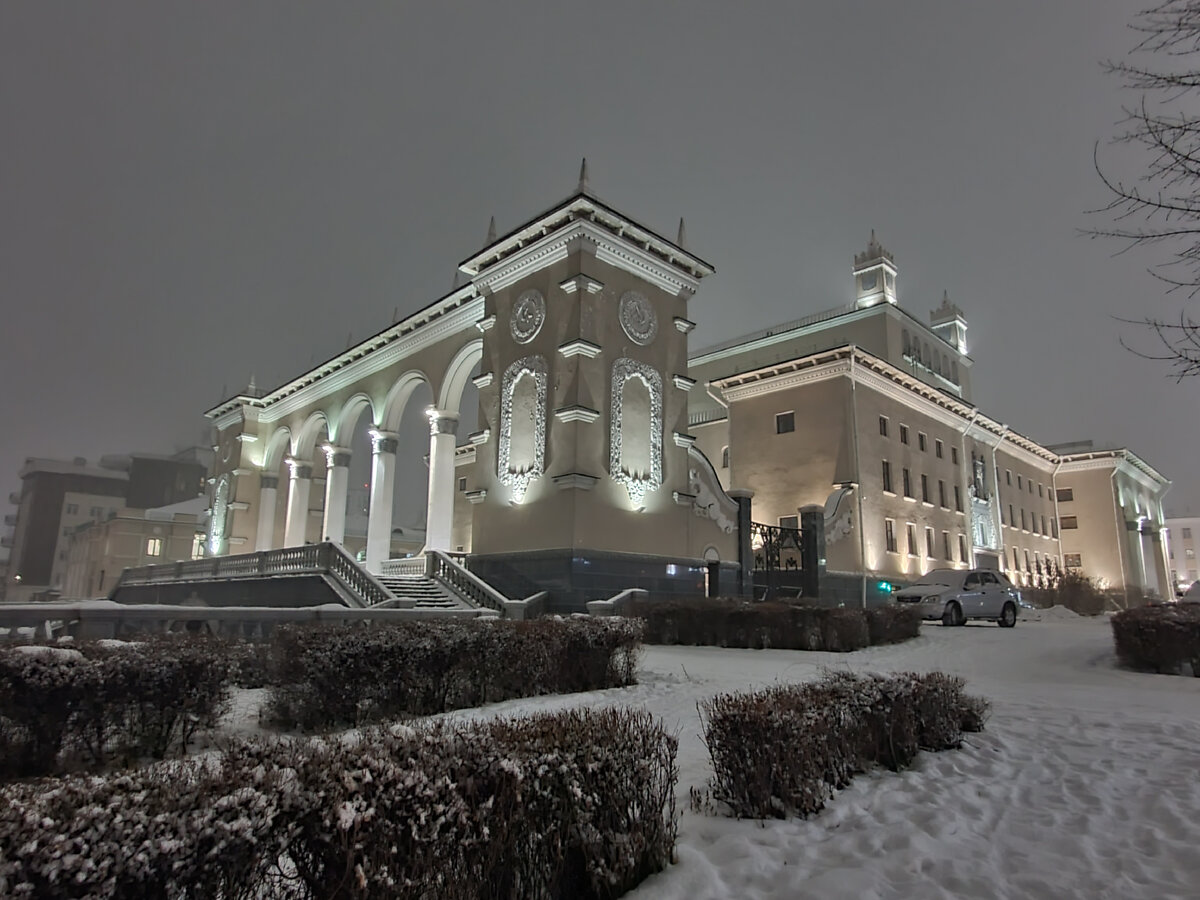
x: 636, y: 483
x: 518, y: 477
x: 528, y: 314
x: 638, y: 318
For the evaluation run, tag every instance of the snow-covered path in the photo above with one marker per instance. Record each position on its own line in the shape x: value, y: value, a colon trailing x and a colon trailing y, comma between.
x: 1084, y: 785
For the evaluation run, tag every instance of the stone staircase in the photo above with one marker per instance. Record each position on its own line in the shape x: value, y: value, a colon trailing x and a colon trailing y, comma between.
x: 425, y: 591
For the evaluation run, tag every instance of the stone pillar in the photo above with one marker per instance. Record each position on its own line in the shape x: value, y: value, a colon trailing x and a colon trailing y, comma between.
x: 439, y: 520
x: 383, y: 478
x: 299, y: 485
x: 268, y: 486
x: 337, y: 480
x: 745, y: 550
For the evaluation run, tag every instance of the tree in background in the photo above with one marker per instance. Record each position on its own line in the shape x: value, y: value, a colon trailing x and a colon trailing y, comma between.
x: 1162, y: 206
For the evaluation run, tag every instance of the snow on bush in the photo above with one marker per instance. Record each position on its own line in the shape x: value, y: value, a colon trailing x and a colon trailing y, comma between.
x: 576, y: 804
x: 1161, y: 638
x: 324, y: 677
x: 72, y: 709
x: 785, y: 750
x: 735, y: 623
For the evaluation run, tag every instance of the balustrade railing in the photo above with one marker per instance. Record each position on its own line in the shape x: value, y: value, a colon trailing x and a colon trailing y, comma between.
x: 444, y: 568
x: 411, y: 565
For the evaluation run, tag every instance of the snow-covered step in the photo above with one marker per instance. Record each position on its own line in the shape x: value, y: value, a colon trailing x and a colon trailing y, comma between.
x: 423, y: 590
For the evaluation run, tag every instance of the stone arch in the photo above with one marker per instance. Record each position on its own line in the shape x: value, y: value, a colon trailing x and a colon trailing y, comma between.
x: 305, y: 443
x: 277, y: 447
x: 344, y: 421
x: 636, y: 483
x: 458, y: 372
x: 397, y: 399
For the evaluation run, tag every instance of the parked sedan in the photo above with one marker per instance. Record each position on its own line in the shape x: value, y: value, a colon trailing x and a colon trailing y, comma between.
x: 955, y: 595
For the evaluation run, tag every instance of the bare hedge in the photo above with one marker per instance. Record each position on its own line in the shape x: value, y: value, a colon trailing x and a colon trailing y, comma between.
x: 785, y: 750
x: 1160, y: 638
x: 757, y: 625
x: 62, y: 710
x: 577, y: 804
x: 328, y: 677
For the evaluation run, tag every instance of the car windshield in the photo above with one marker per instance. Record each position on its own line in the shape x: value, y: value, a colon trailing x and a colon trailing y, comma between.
x: 943, y: 577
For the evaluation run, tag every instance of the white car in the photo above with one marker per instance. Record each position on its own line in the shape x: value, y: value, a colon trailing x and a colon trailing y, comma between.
x: 955, y: 595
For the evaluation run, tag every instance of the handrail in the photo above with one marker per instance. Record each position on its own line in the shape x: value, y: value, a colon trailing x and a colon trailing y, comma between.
x: 443, y: 568
x: 409, y: 565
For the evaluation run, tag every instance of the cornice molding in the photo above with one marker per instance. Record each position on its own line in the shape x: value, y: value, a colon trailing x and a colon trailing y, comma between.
x: 580, y: 347
x: 577, y: 413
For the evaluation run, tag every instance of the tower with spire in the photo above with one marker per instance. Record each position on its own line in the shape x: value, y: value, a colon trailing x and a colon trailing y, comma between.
x: 949, y: 323
x: 874, y: 276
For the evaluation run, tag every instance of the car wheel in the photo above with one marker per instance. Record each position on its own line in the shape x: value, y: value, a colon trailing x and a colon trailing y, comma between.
x: 953, y: 615
x: 1008, y: 617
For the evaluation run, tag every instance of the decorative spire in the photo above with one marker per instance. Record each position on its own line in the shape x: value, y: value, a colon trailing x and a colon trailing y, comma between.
x: 252, y: 387
x: 874, y: 251
x: 681, y: 240
x: 491, y: 235
x: 583, y: 187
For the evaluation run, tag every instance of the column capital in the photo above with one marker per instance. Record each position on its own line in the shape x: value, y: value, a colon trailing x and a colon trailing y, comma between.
x: 298, y: 468
x: 383, y: 441
x: 336, y: 456
x: 270, y: 482
x: 442, y: 421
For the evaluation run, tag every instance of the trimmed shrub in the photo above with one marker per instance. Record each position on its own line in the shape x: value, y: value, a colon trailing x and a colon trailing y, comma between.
x: 1072, y: 590
x: 785, y: 750
x: 577, y: 804
x: 786, y: 626
x: 1159, y: 638
x: 62, y: 710
x: 324, y: 677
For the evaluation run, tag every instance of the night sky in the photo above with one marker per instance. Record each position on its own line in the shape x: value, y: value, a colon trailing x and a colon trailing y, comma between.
x: 192, y: 193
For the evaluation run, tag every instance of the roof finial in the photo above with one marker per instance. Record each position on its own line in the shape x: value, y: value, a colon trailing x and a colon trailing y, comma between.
x: 946, y: 297
x: 583, y: 177
x: 491, y: 235
x: 252, y: 387
x: 681, y: 240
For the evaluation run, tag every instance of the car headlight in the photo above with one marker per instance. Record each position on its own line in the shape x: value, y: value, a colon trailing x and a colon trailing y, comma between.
x: 932, y: 598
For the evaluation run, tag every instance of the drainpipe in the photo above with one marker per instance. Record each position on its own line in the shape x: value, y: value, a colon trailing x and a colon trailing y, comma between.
x: 997, y: 519
x: 1057, y: 527
x: 968, y: 513
x: 862, y: 539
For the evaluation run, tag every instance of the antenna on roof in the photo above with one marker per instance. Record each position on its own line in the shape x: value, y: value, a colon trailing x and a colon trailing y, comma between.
x: 349, y: 339
x: 252, y: 388
x: 681, y: 240
x: 395, y: 314
x: 491, y: 235
x: 583, y: 177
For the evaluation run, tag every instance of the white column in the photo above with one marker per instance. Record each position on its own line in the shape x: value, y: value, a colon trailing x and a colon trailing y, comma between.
x: 383, y: 478
x: 337, y: 480
x: 439, y: 520
x: 299, y: 486
x: 267, y: 489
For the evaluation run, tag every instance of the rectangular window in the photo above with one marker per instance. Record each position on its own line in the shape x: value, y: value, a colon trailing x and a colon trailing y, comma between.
x: 789, y: 521
x: 154, y: 547
x: 1064, y: 495
x: 925, y: 488
x: 887, y: 476
x: 1044, y: 531
x: 962, y: 548
x: 1187, y: 534
x: 911, y: 533
x: 954, y: 455
x: 1016, y: 563
x: 1033, y: 525
x: 883, y: 425
x: 946, y: 545
x: 1072, y: 560
x: 922, y: 441
x: 1027, y: 567
x: 937, y: 448
x: 785, y: 422
x: 1040, y: 489
x: 907, y: 484
x: 462, y: 484
x: 958, y: 498
x: 1029, y: 484
x: 942, y: 493
x: 1023, y: 528
x: 1069, y: 522
x: 72, y: 509
x: 1019, y: 485
x: 889, y: 534
x: 1012, y: 518
x: 198, y: 545
x: 96, y: 512
x: 904, y: 434
x: 1008, y: 477
x: 1189, y: 552
x: 929, y: 542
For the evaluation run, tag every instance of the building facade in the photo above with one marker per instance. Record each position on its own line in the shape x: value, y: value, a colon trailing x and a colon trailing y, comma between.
x: 1183, y: 542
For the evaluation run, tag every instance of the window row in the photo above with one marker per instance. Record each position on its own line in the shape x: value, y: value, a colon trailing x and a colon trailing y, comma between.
x: 926, y: 488
x: 1039, y: 564
x: 939, y: 447
x: 1032, y: 521
x: 933, y: 359
x: 931, y: 542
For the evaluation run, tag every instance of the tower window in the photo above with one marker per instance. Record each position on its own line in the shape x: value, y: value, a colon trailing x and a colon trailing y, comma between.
x: 785, y: 422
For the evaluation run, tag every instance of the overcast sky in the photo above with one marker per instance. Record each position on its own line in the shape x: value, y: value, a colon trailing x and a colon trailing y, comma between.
x: 191, y: 193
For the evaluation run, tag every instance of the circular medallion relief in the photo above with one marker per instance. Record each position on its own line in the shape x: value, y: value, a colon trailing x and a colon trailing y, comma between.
x: 528, y: 314
x: 638, y: 318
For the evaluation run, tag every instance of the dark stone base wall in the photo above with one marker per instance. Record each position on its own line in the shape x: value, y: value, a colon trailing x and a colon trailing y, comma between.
x: 301, y: 590
x: 573, y: 577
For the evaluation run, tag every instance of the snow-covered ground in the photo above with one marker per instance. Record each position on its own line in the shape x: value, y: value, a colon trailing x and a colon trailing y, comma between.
x: 1086, y: 783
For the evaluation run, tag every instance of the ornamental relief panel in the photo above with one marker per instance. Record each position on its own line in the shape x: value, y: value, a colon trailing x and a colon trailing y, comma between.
x: 638, y: 318
x: 528, y: 314
x: 521, y: 456
x: 635, y: 454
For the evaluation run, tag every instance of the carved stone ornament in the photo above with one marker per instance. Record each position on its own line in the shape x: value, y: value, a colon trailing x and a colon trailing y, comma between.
x: 528, y: 314
x: 518, y: 480
x: 637, y: 484
x: 220, y: 513
x: 707, y: 503
x: 638, y: 318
